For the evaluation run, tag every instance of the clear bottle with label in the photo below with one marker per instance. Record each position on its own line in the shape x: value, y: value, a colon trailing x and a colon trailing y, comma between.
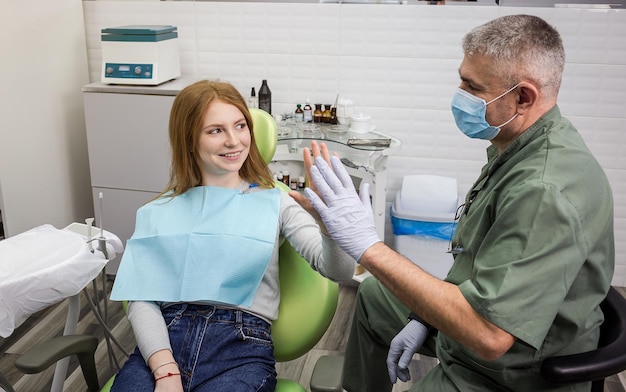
x: 265, y: 97
x: 308, y: 111
x: 317, y: 114
x: 299, y: 114
x: 253, y: 101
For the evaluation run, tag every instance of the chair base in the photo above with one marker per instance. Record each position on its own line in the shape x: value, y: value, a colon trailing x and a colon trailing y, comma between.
x: 327, y: 374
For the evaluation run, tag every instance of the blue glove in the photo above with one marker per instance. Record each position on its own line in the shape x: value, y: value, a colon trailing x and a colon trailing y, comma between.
x: 401, y: 350
x: 348, y: 218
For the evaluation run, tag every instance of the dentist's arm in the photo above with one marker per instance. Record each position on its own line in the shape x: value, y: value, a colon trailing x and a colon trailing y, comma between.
x: 439, y: 303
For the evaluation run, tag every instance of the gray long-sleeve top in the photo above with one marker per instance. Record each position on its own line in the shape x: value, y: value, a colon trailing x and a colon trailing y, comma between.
x: 301, y: 231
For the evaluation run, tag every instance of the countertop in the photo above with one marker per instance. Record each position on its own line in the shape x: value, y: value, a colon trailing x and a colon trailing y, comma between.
x: 171, y: 87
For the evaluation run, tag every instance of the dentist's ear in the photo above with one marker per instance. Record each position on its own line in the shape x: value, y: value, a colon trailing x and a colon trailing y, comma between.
x: 528, y: 95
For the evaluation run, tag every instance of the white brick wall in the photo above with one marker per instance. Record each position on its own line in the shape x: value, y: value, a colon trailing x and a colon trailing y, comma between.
x: 399, y: 64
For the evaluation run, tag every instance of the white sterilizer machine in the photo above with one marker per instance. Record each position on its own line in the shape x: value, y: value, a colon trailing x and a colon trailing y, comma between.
x: 422, y: 217
x: 140, y: 54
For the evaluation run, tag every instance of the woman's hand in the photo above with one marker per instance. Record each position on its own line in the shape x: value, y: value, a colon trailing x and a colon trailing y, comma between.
x: 309, y: 159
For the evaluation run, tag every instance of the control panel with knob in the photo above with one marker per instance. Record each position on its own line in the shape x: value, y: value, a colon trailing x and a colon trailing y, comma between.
x: 131, y: 71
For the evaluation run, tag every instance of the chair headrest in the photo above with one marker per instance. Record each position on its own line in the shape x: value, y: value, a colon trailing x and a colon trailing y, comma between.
x: 265, y: 133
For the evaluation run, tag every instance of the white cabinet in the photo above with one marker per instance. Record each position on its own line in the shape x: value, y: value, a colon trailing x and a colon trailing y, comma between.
x: 129, y: 153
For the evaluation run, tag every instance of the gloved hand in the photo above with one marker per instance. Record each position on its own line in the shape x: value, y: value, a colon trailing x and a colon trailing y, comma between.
x: 401, y: 350
x: 348, y: 218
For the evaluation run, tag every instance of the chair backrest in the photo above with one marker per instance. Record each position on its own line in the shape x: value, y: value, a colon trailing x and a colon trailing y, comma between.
x: 608, y: 359
x: 307, y: 305
x: 265, y: 133
x: 307, y: 300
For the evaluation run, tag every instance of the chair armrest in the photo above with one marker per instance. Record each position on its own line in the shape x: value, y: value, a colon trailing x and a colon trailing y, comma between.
x: 583, y: 367
x: 40, y: 357
x: 608, y: 359
x: 5, y: 384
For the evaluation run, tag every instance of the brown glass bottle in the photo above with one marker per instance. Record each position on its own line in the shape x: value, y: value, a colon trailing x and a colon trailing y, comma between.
x: 317, y: 114
x: 333, y: 115
x: 326, y: 114
x: 299, y: 114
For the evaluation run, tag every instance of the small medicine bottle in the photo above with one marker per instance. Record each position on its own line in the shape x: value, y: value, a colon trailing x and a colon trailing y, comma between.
x: 326, y: 114
x: 300, y: 184
x: 293, y: 184
x: 333, y: 115
x: 317, y: 114
x: 299, y: 114
x: 286, y: 177
x: 308, y: 111
x: 253, y: 102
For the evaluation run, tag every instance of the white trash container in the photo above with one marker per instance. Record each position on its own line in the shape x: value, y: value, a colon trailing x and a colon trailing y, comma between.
x: 422, y: 217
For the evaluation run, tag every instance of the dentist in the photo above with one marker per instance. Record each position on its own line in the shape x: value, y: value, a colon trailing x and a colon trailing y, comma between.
x: 533, y: 249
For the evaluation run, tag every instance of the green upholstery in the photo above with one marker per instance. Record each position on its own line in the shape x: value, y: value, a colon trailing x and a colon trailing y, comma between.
x: 304, y: 293
x: 266, y: 133
x: 284, y: 385
x: 307, y: 305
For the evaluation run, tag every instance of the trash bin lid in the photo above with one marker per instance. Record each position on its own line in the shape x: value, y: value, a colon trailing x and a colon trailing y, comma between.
x: 427, y: 198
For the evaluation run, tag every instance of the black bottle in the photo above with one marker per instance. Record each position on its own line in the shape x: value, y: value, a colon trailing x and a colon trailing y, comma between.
x: 265, y: 97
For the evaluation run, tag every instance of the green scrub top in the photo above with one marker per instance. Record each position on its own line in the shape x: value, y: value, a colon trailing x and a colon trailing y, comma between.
x: 537, y: 233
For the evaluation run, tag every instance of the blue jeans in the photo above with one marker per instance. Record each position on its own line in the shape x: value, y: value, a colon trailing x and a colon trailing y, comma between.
x: 216, y: 350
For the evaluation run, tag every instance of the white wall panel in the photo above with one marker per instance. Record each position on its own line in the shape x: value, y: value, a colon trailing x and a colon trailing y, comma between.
x: 44, y: 168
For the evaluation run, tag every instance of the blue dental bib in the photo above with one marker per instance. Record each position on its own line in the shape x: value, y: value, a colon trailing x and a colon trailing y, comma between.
x: 208, y: 244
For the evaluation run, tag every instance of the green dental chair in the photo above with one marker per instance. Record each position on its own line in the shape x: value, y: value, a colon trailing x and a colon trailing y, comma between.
x: 307, y: 306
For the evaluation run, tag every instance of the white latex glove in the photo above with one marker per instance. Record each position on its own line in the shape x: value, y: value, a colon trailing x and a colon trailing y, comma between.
x: 347, y: 217
x: 401, y: 350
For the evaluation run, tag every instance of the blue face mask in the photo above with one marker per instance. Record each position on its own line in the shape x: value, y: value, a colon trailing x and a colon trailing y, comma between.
x: 469, y: 114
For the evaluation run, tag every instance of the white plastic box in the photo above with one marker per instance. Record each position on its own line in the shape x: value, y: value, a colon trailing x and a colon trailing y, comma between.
x: 422, y: 217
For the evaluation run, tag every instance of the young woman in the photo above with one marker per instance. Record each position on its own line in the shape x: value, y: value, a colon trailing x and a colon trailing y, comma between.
x: 201, y: 270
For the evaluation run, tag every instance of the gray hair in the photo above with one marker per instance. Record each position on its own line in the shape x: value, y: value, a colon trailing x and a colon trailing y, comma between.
x: 521, y: 47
